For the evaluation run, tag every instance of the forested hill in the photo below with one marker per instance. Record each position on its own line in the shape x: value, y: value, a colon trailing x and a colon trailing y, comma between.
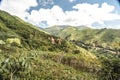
x: 55, y: 30
x: 14, y: 27
x: 101, y: 42
x: 31, y: 37
x: 29, y: 53
x: 102, y: 38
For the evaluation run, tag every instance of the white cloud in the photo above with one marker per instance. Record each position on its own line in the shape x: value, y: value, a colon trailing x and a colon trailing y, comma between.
x: 82, y: 14
x: 115, y: 26
x: 96, y: 13
x: 72, y: 0
x: 53, y: 16
x: 85, y: 14
x: 18, y: 7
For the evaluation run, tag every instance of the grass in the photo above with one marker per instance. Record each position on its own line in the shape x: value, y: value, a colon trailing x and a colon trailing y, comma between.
x: 41, y: 65
x: 37, y: 58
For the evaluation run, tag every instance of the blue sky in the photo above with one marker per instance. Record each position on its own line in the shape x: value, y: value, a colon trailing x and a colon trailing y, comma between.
x: 46, y: 13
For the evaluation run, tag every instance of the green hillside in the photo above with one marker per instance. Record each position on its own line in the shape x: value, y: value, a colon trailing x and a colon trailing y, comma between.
x: 55, y: 30
x: 27, y: 53
x: 100, y: 38
x: 13, y: 27
x: 30, y: 36
x: 104, y: 43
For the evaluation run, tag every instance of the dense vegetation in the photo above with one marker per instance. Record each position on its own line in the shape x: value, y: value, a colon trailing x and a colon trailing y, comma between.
x: 107, y: 39
x: 27, y: 52
x: 104, y: 43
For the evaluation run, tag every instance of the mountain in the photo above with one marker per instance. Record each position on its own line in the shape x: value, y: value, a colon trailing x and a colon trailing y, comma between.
x: 101, y: 38
x: 101, y: 42
x: 14, y: 27
x: 55, y: 30
x: 27, y: 52
x: 86, y: 37
x: 31, y: 37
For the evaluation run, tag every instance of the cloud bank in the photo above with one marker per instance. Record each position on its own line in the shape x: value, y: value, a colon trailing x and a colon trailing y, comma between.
x: 82, y: 14
x: 18, y: 7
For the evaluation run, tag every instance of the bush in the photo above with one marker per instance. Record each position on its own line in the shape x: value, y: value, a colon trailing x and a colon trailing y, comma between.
x: 76, y: 51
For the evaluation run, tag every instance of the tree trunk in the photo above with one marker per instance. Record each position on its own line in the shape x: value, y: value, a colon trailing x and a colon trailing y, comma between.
x: 11, y: 76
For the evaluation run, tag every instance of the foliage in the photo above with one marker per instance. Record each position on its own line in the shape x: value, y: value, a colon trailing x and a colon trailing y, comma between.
x: 15, y: 31
x: 111, y: 69
x: 104, y: 43
x: 36, y: 65
x: 39, y: 59
x: 105, y: 38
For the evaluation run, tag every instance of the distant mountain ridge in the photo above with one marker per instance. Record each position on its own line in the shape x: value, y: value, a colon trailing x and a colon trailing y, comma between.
x: 54, y: 30
x: 105, y: 38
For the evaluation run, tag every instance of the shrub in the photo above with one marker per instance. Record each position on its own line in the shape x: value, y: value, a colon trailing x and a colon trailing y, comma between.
x: 13, y: 40
x: 76, y: 51
x: 2, y: 42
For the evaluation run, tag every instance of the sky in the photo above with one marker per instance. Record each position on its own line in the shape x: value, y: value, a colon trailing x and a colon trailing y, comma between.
x: 47, y: 13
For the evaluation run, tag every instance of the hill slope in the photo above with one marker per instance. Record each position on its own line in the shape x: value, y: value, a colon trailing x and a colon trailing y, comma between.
x: 26, y: 52
x: 30, y: 36
x: 13, y: 27
x: 100, y: 38
x: 104, y: 43
x: 55, y: 30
